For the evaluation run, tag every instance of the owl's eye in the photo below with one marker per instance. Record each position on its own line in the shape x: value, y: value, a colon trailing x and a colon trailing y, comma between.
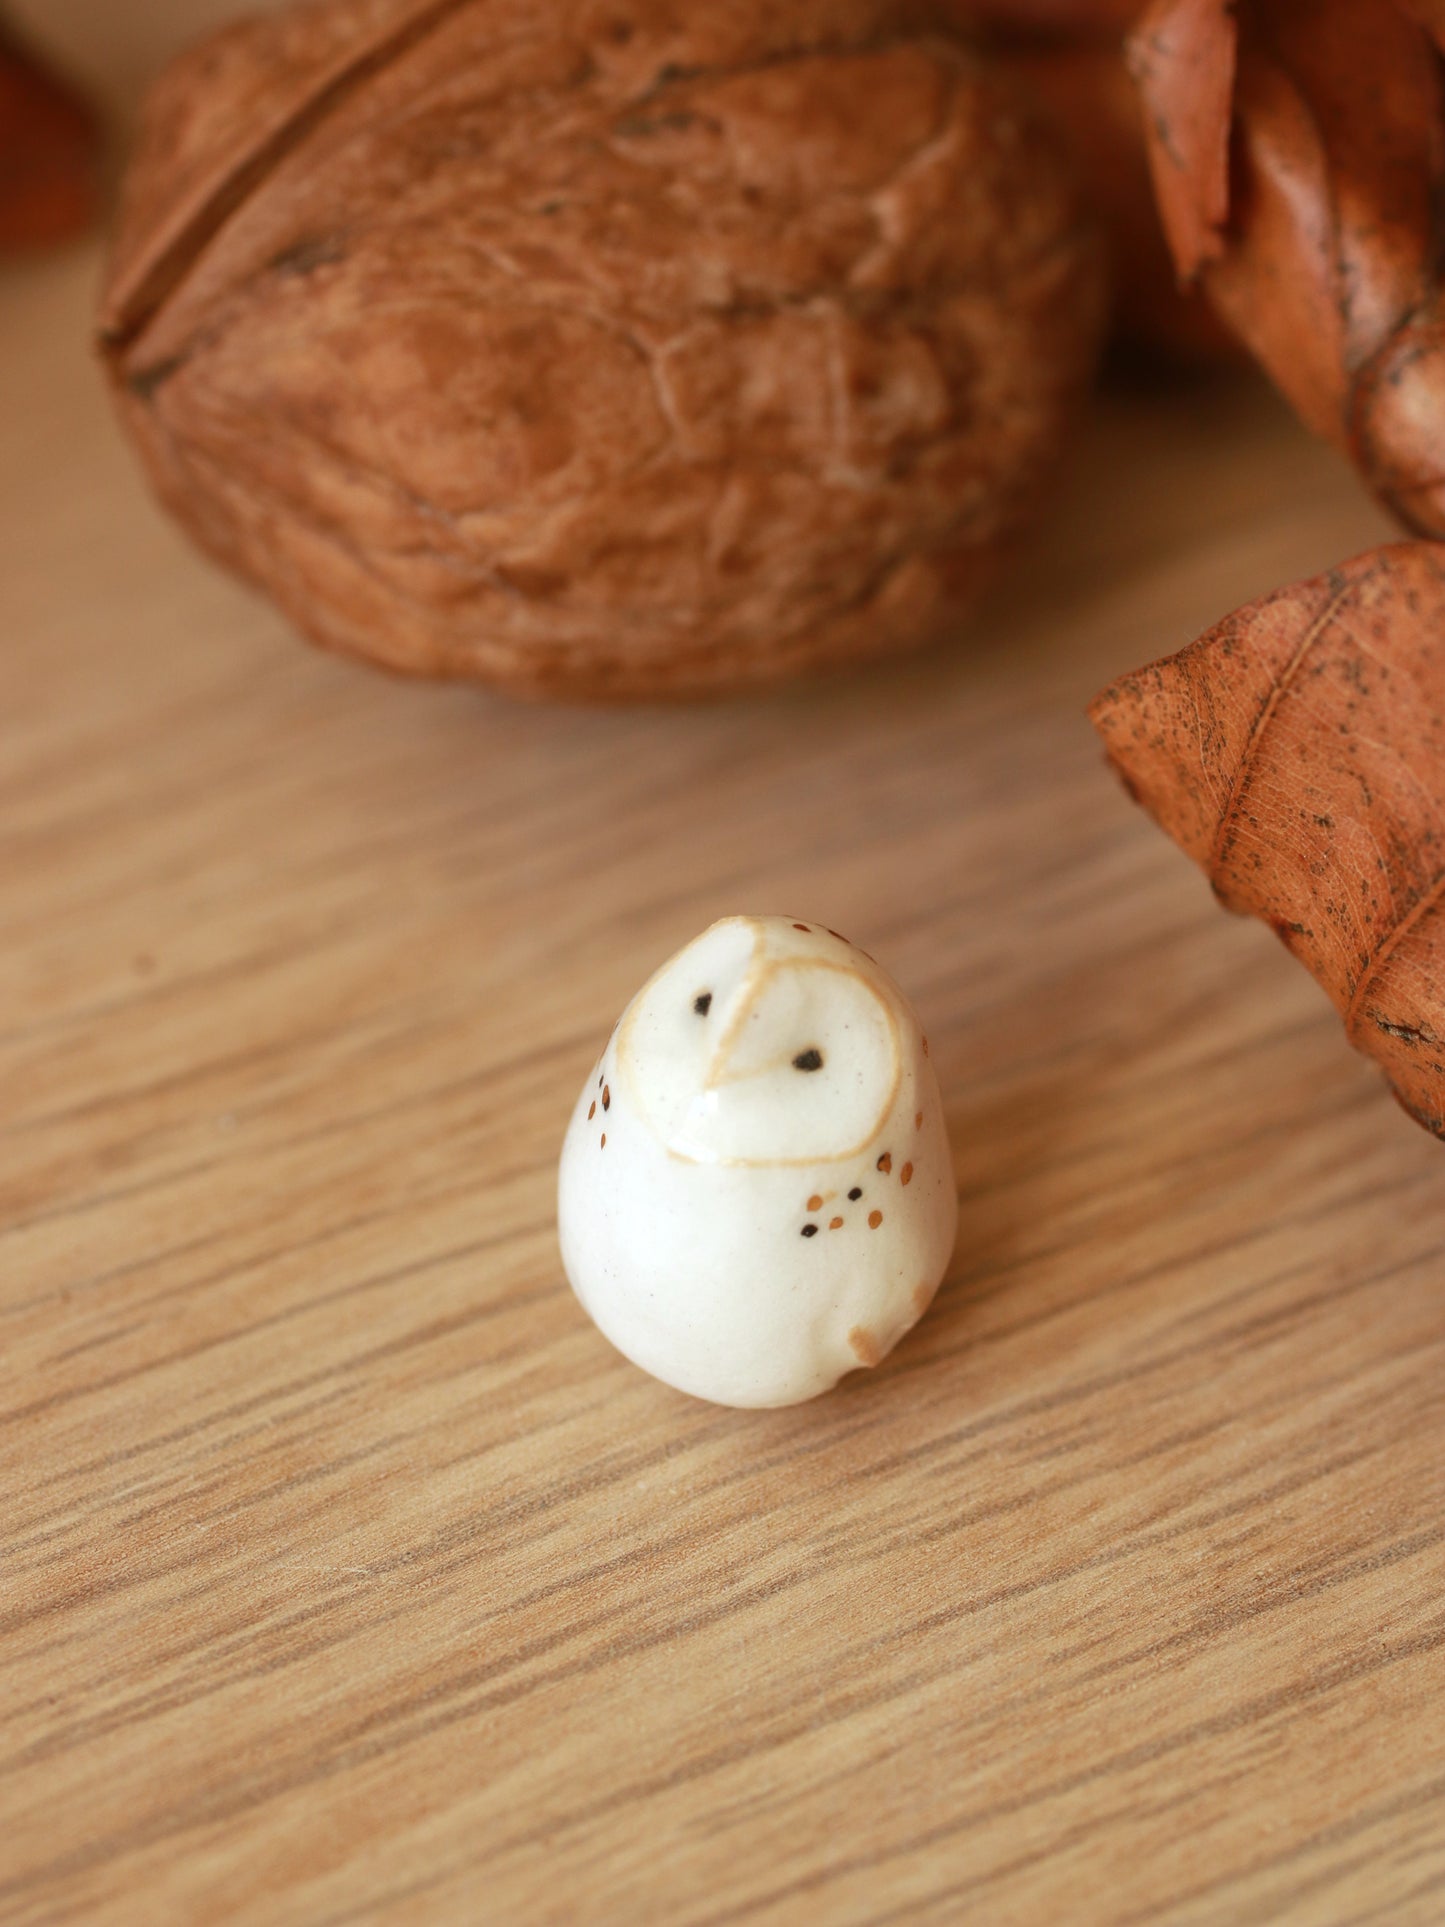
x: 808, y: 1060
x: 702, y: 1003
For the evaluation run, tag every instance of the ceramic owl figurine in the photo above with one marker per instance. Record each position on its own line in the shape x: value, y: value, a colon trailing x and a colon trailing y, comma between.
x: 756, y: 1193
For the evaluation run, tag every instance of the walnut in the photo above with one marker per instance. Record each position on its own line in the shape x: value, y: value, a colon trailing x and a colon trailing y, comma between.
x: 600, y: 347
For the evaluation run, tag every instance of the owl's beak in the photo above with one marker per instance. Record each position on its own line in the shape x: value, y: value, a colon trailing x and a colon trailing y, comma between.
x: 765, y: 1019
x: 723, y: 1066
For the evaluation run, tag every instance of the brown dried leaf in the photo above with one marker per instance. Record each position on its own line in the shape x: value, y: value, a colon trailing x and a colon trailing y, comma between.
x: 1297, y: 753
x: 1298, y: 149
x: 1086, y: 87
x: 1071, y: 54
x: 1076, y: 20
x: 48, y: 148
x: 1182, y: 56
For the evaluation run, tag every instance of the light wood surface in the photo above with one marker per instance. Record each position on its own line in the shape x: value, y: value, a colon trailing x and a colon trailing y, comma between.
x: 347, y: 1575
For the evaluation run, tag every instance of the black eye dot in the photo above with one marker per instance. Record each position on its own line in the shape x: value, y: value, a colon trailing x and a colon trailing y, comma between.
x: 810, y: 1231
x: 702, y: 1003
x: 808, y: 1060
x: 856, y: 1193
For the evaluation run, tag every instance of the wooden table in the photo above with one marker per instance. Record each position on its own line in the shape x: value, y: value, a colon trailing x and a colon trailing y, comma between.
x: 347, y: 1574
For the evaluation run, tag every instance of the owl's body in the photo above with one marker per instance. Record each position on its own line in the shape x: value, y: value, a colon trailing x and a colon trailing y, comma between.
x: 756, y: 1190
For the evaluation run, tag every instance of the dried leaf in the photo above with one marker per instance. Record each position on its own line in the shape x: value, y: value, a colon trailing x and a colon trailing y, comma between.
x: 1183, y: 59
x: 1070, y: 53
x: 1298, y: 149
x: 1086, y: 87
x: 48, y: 145
x: 1054, y: 19
x: 1297, y: 753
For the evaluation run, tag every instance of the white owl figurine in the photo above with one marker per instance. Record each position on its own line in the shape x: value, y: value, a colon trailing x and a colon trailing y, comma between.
x: 756, y: 1192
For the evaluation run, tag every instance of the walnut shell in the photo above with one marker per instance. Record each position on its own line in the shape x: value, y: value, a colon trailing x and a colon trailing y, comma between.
x: 599, y: 347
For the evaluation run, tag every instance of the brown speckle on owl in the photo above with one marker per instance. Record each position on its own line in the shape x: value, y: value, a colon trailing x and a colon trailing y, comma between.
x: 864, y: 1345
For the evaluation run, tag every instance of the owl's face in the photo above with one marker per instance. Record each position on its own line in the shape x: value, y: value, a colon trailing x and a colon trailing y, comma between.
x: 764, y: 1042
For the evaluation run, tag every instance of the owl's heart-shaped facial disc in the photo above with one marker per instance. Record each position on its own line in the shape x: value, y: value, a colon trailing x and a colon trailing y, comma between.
x: 762, y: 1046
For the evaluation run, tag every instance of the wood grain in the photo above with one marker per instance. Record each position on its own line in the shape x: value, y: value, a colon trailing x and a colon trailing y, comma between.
x: 347, y: 1575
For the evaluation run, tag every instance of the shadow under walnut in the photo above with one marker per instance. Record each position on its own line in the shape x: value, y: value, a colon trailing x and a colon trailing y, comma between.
x: 595, y: 350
